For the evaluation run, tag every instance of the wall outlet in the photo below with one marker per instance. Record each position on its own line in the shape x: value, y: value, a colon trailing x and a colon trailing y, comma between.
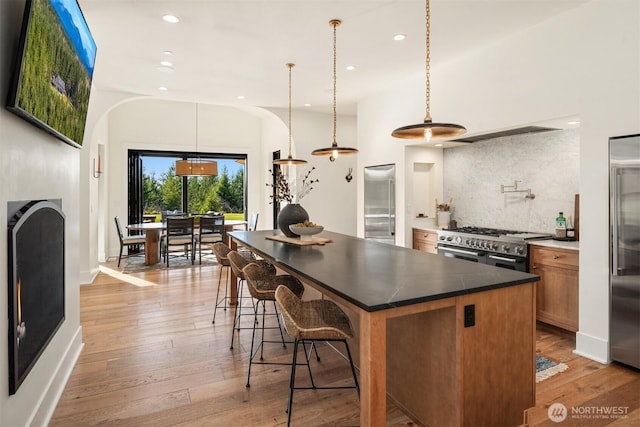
x: 469, y: 315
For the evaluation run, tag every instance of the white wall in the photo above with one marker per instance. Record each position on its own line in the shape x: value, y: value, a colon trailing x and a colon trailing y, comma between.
x: 169, y: 125
x: 332, y: 202
x: 584, y: 63
x: 35, y: 165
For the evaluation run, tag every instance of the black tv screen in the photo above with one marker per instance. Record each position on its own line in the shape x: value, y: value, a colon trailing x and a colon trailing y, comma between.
x: 54, y: 68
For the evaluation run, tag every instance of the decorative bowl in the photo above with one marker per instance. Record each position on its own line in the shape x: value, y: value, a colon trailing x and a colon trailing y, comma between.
x: 305, y: 233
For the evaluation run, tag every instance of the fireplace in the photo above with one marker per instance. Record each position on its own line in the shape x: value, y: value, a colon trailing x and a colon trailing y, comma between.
x: 36, y: 282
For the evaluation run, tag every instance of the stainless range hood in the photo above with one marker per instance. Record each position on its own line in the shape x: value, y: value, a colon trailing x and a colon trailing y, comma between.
x: 509, y: 132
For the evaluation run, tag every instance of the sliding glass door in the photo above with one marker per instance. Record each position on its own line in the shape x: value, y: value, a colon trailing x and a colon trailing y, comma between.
x: 154, y: 186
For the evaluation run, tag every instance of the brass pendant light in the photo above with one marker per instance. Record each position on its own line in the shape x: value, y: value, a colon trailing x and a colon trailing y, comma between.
x: 334, y: 151
x: 196, y: 167
x: 289, y: 160
x: 428, y: 130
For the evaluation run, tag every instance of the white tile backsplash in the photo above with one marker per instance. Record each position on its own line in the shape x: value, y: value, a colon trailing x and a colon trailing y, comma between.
x: 547, y: 163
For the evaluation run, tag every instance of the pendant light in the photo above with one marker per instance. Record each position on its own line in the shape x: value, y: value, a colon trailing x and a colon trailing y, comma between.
x: 334, y: 151
x: 289, y: 160
x: 196, y: 167
x: 428, y: 130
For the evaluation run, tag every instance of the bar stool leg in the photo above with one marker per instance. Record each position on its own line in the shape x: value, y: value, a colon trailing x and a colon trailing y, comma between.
x: 292, y: 381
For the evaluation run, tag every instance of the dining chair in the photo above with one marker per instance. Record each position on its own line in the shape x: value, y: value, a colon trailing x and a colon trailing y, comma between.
x: 262, y: 285
x: 128, y: 240
x: 310, y: 321
x: 239, y: 260
x: 180, y: 232
x: 253, y: 222
x: 221, y: 251
x: 211, y: 231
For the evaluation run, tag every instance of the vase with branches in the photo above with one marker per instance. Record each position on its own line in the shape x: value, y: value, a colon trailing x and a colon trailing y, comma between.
x: 291, y: 192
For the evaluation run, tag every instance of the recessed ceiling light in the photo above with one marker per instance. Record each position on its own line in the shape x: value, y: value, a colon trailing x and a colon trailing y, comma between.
x: 307, y: 105
x: 240, y: 96
x: 350, y: 67
x: 168, y: 52
x: 574, y: 122
x: 170, y: 19
x: 399, y: 37
x: 162, y: 88
x: 166, y: 63
x: 439, y: 145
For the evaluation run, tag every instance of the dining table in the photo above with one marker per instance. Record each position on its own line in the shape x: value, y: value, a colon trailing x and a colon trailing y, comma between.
x: 451, y: 342
x: 153, y: 230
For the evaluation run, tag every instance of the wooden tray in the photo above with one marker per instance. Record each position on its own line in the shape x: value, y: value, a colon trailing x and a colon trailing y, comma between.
x: 297, y: 241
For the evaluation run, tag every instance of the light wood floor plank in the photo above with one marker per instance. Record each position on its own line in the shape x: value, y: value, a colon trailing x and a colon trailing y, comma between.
x: 153, y: 358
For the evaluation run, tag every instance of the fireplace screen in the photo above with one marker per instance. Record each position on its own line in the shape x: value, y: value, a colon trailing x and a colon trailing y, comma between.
x: 36, y: 283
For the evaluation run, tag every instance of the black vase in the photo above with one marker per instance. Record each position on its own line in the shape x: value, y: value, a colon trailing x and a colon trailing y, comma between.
x: 293, y: 213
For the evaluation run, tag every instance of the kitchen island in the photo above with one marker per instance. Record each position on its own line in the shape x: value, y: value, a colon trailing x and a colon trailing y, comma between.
x: 450, y: 341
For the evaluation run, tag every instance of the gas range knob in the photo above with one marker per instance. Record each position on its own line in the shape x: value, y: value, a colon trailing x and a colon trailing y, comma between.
x: 519, y: 250
x: 442, y: 238
x: 449, y: 238
x: 458, y: 239
x: 505, y: 248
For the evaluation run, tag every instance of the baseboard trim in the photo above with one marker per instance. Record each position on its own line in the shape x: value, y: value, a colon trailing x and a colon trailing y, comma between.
x: 593, y: 348
x: 55, y: 388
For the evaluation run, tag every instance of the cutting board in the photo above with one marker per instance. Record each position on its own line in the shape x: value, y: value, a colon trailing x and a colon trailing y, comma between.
x: 296, y: 241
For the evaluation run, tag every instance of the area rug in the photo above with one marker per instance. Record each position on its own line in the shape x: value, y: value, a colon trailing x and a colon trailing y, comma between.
x: 546, y: 368
x: 136, y: 264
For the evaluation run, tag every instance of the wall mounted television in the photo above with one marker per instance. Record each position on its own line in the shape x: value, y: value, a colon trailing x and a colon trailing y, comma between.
x: 54, y: 69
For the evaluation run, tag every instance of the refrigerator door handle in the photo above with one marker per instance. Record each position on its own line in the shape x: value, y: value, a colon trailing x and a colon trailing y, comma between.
x: 389, y: 206
x: 615, y: 211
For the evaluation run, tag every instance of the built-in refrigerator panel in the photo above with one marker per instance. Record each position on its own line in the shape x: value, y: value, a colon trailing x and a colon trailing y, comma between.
x: 625, y: 249
x: 380, y: 203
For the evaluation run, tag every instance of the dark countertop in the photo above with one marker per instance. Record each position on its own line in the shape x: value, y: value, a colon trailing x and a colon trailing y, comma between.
x: 376, y: 276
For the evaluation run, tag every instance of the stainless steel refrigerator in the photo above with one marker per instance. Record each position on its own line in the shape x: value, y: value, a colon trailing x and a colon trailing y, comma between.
x: 624, y: 154
x: 380, y: 203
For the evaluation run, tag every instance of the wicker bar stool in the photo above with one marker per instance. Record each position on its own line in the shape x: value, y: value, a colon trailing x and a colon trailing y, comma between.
x: 314, y: 320
x: 221, y: 251
x: 238, y: 261
x: 262, y: 285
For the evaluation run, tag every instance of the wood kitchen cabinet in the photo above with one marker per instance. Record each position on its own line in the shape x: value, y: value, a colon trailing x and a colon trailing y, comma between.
x: 424, y: 240
x: 557, y: 293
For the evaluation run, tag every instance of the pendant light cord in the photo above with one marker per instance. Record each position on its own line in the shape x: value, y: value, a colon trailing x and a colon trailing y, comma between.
x: 427, y: 116
x: 335, y: 24
x: 290, y: 65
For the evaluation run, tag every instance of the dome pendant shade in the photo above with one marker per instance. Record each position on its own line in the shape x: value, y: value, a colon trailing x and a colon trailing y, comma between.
x: 429, y: 130
x: 289, y: 160
x: 334, y: 151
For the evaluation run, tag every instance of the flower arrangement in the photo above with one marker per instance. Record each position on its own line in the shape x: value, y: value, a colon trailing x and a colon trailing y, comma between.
x: 444, y: 207
x: 290, y: 191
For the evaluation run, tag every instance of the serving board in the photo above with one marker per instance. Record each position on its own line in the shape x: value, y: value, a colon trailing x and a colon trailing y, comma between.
x: 296, y: 241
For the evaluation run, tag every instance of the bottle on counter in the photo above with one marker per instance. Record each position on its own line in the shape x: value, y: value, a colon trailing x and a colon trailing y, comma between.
x: 561, y: 226
x: 571, y: 232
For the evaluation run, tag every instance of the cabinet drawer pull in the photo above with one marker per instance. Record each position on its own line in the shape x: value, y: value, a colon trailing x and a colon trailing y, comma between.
x: 534, y: 266
x: 556, y: 256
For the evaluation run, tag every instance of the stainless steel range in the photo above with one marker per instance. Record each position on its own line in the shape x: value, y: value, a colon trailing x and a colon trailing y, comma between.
x: 502, y: 248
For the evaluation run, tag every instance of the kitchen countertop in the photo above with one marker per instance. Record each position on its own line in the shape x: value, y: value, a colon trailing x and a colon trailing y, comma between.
x: 426, y: 223
x: 550, y: 243
x: 376, y: 276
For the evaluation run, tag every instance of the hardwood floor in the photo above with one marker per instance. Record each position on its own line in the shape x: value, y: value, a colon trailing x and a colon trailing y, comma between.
x: 152, y: 357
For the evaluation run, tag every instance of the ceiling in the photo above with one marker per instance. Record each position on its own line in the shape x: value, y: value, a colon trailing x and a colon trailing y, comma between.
x: 225, y: 49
